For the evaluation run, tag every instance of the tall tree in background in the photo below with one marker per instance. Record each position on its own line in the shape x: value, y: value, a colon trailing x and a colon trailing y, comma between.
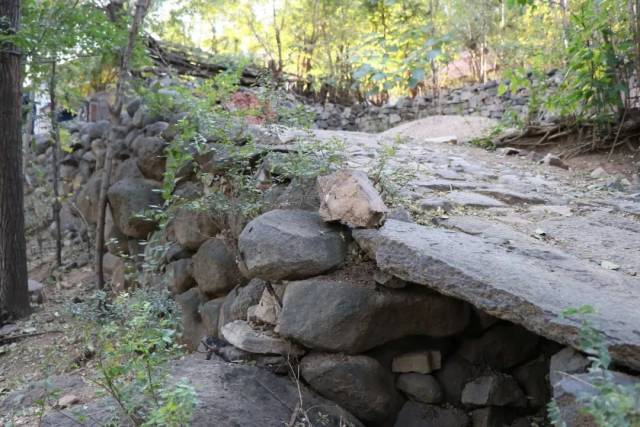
x: 14, y: 292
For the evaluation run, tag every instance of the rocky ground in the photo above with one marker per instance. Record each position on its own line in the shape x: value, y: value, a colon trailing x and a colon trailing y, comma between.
x: 510, y: 235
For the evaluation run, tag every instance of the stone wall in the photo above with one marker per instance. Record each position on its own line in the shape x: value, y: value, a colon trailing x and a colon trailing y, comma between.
x: 478, y: 99
x: 300, y: 288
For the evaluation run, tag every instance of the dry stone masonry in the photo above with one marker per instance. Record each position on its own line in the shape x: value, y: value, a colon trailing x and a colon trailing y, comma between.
x: 379, y: 320
x: 479, y: 99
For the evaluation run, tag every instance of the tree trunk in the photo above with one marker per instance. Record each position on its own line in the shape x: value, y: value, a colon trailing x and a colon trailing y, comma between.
x: 14, y: 291
x: 116, y: 110
x: 55, y: 133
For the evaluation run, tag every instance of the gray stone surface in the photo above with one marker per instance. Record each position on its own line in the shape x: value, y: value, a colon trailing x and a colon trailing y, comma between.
x: 503, y: 346
x: 192, y: 327
x: 255, y: 340
x: 193, y: 227
x: 129, y: 198
x: 102, y: 411
x: 493, y: 390
x: 290, y: 244
x: 415, y: 414
x: 215, y: 269
x: 494, y: 416
x: 566, y: 362
x: 533, y: 378
x: 597, y: 236
x: 151, y: 157
x: 338, y: 315
x: 527, y: 283
x: 349, y: 197
x: 180, y: 276
x: 238, y: 300
x: 473, y: 200
x: 357, y: 383
x: 268, y: 308
x: 210, y: 315
x: 511, y: 197
x: 38, y: 391
x: 420, y: 387
x: 87, y: 199
x: 453, y: 376
x: 230, y: 395
x: 423, y: 362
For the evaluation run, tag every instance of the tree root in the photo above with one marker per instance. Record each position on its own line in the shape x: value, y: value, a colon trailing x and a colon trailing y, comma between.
x: 625, y: 134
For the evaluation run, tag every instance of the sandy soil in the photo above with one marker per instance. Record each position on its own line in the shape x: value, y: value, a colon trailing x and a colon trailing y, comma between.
x: 465, y: 128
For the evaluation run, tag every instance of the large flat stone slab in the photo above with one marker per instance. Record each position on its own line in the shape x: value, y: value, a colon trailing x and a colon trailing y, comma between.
x: 516, y: 280
x: 228, y: 395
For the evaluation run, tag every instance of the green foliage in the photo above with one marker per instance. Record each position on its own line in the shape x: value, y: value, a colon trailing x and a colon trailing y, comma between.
x: 592, y: 86
x: 311, y: 158
x: 486, y: 142
x: 389, y: 176
x: 212, y: 126
x: 134, y: 337
x: 611, y: 404
x: 534, y: 84
x: 73, y: 35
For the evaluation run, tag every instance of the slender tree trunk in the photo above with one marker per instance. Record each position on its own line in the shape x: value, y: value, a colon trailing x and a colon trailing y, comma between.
x: 55, y: 131
x: 564, y: 7
x: 278, y: 29
x: 634, y: 26
x: 14, y: 291
x: 116, y: 110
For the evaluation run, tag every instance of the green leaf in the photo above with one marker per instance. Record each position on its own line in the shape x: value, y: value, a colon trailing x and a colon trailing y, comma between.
x: 378, y: 77
x: 416, y: 77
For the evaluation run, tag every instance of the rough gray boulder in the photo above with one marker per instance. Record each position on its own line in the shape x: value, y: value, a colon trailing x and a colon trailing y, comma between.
x: 453, y: 376
x: 193, y: 227
x: 299, y: 194
x: 349, y: 197
x: 336, y: 315
x: 151, y: 158
x: 240, y: 395
x: 133, y: 106
x: 192, y: 327
x: 420, y: 387
x: 210, y: 315
x: 180, y: 274
x: 95, y: 130
x: 566, y: 361
x: 534, y: 381
x: 87, y: 200
x: 503, y: 346
x: 215, y: 268
x: 238, y: 300
x: 528, y: 283
x: 290, y: 244
x: 241, y: 335
x: 423, y: 362
x: 493, y: 390
x: 127, y: 169
x: 357, y: 383
x: 128, y: 199
x: 415, y: 414
x: 494, y: 416
x: 155, y: 129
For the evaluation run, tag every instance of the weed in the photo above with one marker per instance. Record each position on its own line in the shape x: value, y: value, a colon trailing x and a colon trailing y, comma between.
x: 612, y: 404
x: 390, y: 176
x: 134, y: 336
